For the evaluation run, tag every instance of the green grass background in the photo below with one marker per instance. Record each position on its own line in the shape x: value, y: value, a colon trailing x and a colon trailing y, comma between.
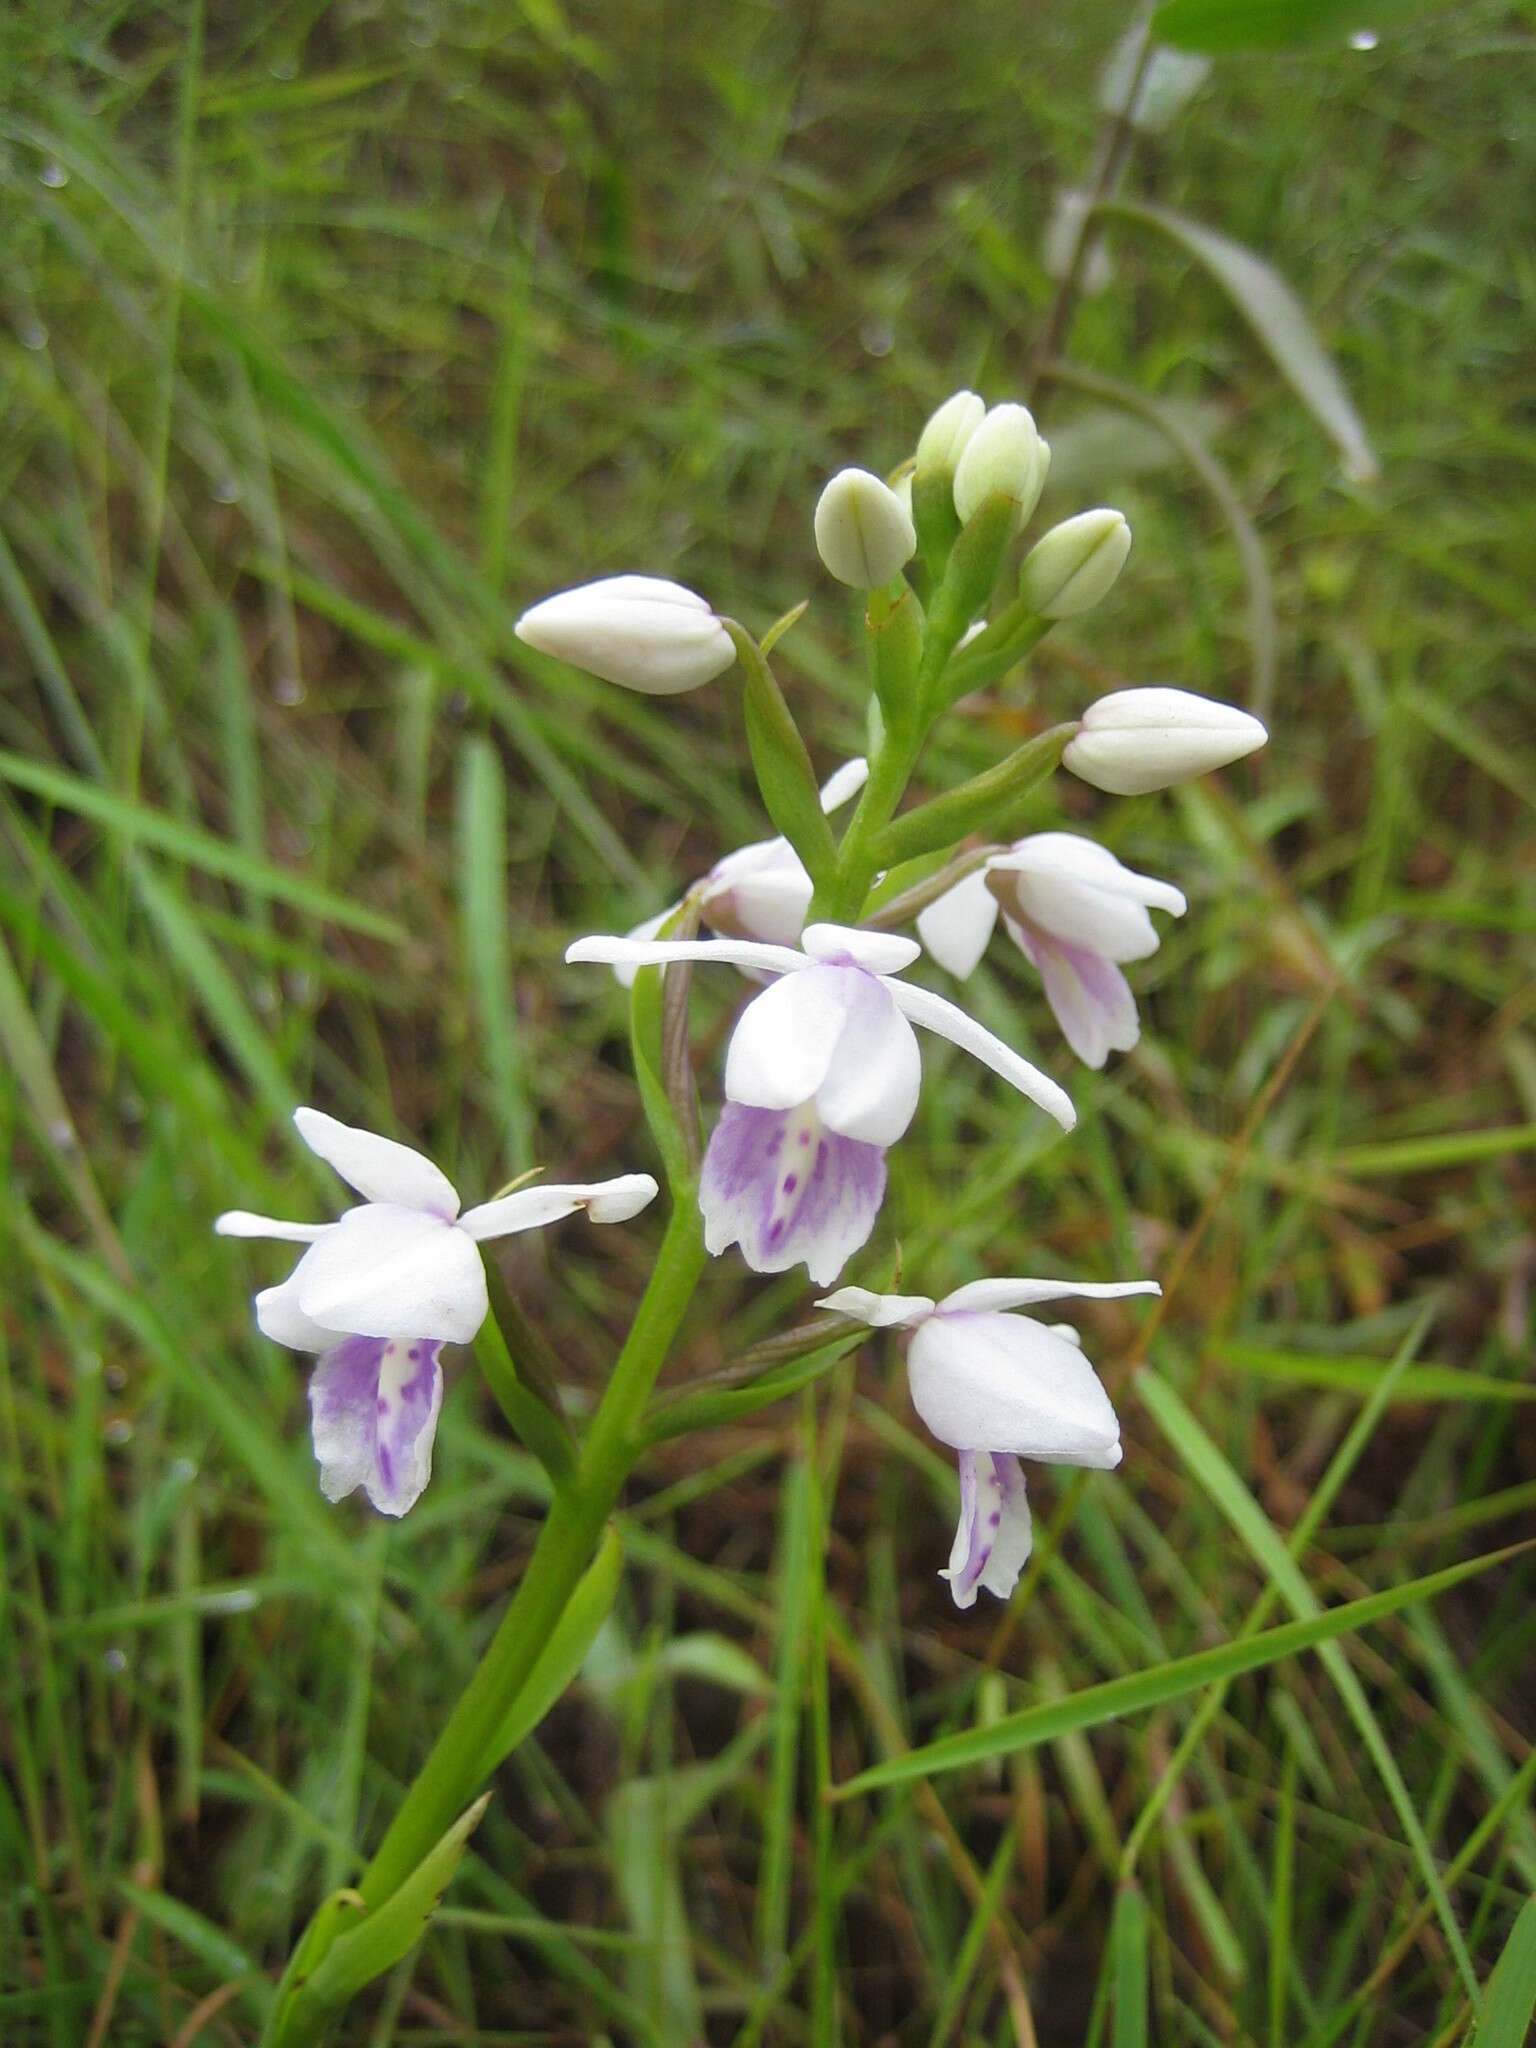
x: 330, y: 336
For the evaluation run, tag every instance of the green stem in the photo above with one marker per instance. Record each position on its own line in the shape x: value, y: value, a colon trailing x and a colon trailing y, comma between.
x: 570, y: 1536
x: 841, y: 899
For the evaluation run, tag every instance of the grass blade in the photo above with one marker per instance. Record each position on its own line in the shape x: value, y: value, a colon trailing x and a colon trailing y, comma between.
x: 1207, y: 1465
x: 1093, y: 1705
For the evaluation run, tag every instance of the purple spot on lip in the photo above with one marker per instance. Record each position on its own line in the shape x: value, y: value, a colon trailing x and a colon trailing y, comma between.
x: 995, y: 1517
x: 791, y: 1182
x: 821, y: 1155
x: 383, y: 1405
x: 805, y: 1139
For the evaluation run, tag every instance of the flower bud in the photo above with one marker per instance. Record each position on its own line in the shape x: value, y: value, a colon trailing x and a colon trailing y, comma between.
x: 1135, y: 740
x: 864, y: 533
x: 942, y: 442
x: 1070, y: 568
x: 641, y: 632
x: 1007, y: 454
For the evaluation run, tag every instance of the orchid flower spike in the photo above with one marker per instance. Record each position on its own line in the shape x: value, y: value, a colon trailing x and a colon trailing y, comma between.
x: 821, y: 1078
x: 761, y: 891
x: 380, y: 1292
x: 997, y: 1387
x: 1075, y: 913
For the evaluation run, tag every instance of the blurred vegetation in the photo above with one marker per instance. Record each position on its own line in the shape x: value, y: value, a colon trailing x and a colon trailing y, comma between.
x: 332, y: 335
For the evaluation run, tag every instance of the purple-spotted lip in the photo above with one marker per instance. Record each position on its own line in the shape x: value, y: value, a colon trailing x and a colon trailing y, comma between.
x: 816, y: 1206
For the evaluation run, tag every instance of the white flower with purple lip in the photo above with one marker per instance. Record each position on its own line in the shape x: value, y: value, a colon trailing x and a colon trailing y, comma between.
x: 382, y: 1290
x: 822, y: 1076
x: 997, y: 1387
x: 1075, y: 913
x: 761, y: 891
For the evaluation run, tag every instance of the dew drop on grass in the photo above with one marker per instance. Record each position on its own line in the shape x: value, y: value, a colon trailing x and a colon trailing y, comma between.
x: 53, y: 175
x: 876, y: 338
x: 288, y: 690
x: 115, y: 1660
x: 1364, y: 39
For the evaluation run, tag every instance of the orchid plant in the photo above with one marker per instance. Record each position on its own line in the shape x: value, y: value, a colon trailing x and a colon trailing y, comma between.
x: 821, y: 1077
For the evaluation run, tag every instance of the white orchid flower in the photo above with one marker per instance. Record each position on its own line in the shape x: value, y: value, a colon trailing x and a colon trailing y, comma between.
x: 1074, y: 912
x: 997, y: 1387
x: 761, y: 891
x: 379, y: 1292
x: 821, y: 1078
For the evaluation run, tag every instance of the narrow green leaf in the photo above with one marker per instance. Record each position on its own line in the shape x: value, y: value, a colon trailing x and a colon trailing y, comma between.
x: 1128, y: 1951
x: 1206, y: 1464
x: 561, y: 1657
x: 1279, y: 320
x: 1364, y: 1375
x: 791, y: 795
x: 199, y: 849
x: 377, y: 1942
x: 222, y: 1957
x: 708, y: 1407
x: 1510, y: 1997
x: 1093, y: 1705
x: 1219, y: 27
x: 481, y: 820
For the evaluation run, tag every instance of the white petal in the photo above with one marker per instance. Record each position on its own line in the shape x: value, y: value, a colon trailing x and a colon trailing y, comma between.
x: 1080, y: 893
x: 384, y: 1271
x: 951, y: 1022
x: 784, y: 1040
x: 879, y: 952
x: 1003, y: 1383
x: 880, y: 1311
x: 661, y: 952
x: 844, y: 784
x: 1005, y: 1294
x: 955, y: 928
x: 1089, y: 996
x: 871, y: 1087
x: 530, y: 1208
x: 647, y: 928
x: 279, y: 1317
x: 758, y: 892
x: 378, y: 1168
x: 241, y: 1223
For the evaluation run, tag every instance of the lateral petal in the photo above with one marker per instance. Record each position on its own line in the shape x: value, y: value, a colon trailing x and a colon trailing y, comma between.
x: 531, y: 1208
x: 923, y: 1007
x: 1005, y: 1294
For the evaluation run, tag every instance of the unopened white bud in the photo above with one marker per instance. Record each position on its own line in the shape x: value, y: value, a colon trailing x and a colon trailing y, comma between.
x: 942, y: 442
x: 1006, y: 453
x: 1070, y: 568
x: 639, y: 631
x: 1135, y: 740
x: 864, y: 533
